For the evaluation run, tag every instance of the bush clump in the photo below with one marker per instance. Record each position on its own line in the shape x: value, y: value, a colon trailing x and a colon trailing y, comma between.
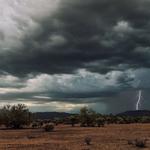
x: 87, y: 140
x: 140, y: 143
x: 100, y: 122
x: 49, y: 127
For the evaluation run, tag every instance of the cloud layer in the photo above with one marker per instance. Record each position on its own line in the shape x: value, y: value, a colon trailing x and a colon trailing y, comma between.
x: 61, y: 37
x: 74, y: 51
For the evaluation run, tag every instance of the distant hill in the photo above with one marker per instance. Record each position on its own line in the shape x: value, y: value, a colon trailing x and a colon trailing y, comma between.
x: 50, y: 115
x: 135, y: 113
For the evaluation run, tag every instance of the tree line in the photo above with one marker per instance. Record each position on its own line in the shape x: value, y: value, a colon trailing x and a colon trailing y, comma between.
x: 19, y: 116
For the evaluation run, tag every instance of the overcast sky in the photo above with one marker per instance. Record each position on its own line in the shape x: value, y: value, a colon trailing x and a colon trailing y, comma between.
x: 61, y: 55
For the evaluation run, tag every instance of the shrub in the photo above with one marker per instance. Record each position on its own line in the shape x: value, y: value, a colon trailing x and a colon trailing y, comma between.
x: 73, y: 120
x: 100, y: 122
x: 131, y: 142
x: 140, y: 143
x: 15, y: 116
x: 87, y: 140
x: 34, y: 125
x: 49, y: 127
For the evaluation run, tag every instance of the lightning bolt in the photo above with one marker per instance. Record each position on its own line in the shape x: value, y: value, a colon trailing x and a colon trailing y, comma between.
x: 139, y: 99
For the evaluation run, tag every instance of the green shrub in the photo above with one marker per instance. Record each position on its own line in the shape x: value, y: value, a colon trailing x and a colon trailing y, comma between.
x: 100, y: 122
x: 49, y: 127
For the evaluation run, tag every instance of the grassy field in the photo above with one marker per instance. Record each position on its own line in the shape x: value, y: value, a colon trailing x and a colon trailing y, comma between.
x: 110, y: 137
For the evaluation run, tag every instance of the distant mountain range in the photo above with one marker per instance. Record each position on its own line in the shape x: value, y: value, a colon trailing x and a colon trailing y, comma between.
x: 50, y: 115
x: 135, y: 113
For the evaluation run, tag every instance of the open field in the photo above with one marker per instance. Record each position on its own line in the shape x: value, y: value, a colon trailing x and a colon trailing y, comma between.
x: 110, y: 137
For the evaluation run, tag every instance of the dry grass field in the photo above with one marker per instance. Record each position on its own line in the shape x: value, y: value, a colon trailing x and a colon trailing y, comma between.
x: 110, y: 137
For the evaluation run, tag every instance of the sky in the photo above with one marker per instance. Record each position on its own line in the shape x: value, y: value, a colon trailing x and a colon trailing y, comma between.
x: 62, y: 55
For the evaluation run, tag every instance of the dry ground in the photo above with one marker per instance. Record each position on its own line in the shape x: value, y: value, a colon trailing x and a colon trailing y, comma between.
x: 110, y: 137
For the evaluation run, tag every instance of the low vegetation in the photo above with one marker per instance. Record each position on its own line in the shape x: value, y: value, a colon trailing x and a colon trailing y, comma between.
x: 66, y: 137
x: 87, y: 140
x: 140, y: 143
x: 49, y: 127
x: 19, y: 116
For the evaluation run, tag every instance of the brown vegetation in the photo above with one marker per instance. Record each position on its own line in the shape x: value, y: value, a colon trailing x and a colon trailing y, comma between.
x: 64, y: 137
x: 85, y: 131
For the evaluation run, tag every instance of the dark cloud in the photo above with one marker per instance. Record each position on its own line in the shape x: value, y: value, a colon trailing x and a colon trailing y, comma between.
x: 78, y: 34
x: 108, y: 39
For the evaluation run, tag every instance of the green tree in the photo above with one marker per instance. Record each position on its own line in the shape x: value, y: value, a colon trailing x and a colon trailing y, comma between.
x: 87, y: 117
x: 83, y: 116
x: 15, y: 116
x: 5, y: 115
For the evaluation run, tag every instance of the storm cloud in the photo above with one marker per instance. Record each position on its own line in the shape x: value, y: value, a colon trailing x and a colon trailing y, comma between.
x: 74, y: 51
